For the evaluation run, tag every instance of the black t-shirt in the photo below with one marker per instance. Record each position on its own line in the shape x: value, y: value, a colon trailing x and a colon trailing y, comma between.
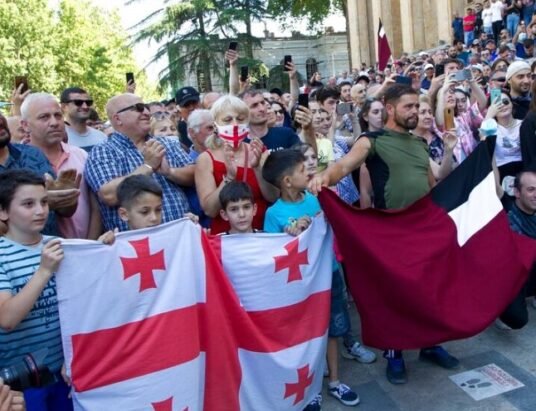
x: 279, y: 138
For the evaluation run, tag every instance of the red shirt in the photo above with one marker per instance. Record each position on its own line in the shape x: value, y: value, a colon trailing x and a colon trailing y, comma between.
x: 469, y: 22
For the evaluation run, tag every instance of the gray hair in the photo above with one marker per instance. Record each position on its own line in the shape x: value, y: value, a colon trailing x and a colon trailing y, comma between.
x: 198, y: 117
x: 31, y: 100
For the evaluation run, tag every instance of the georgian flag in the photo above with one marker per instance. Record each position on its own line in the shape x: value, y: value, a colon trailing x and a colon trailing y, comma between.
x: 384, y: 51
x: 441, y: 269
x: 153, y: 322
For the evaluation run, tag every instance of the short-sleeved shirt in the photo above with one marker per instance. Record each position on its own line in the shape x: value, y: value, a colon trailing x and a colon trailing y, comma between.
x: 76, y: 226
x: 41, y: 327
x: 398, y: 165
x: 87, y: 140
x: 522, y: 222
x: 325, y: 153
x: 279, y: 138
x: 508, y: 146
x: 282, y: 213
x: 119, y: 157
x: 22, y: 156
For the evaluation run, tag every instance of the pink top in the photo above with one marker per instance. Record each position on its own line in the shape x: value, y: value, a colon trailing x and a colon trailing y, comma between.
x: 76, y: 226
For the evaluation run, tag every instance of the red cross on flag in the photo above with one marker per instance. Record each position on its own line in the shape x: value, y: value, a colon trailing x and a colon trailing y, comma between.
x: 153, y: 322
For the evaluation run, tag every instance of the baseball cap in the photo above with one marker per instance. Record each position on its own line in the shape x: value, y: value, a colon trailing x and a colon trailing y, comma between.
x: 186, y: 95
x: 477, y: 67
x: 428, y: 66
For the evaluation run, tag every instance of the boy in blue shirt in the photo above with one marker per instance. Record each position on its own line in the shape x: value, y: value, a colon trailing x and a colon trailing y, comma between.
x: 292, y: 213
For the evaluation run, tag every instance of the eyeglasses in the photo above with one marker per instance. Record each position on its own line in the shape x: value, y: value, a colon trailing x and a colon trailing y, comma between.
x: 278, y: 111
x: 501, y: 79
x: 160, y: 115
x: 80, y: 103
x: 139, y: 107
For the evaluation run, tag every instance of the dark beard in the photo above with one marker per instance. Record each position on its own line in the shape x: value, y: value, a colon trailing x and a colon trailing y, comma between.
x: 408, y: 124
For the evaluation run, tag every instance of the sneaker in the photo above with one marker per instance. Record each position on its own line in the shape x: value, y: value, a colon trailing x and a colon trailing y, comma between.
x: 344, y: 394
x: 396, y: 371
x: 359, y: 353
x: 438, y: 355
x: 315, y: 405
x: 502, y: 326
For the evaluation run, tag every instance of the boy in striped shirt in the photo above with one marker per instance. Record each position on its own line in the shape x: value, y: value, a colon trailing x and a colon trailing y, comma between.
x: 29, y: 318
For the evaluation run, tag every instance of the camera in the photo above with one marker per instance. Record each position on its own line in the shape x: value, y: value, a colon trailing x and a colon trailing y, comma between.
x: 28, y: 372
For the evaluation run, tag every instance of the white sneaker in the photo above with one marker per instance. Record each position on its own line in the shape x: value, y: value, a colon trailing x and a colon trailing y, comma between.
x: 501, y: 326
x: 359, y: 353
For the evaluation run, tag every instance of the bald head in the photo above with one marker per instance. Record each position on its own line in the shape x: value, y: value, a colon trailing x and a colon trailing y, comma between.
x: 116, y: 103
x: 132, y: 123
x: 210, y: 98
x: 17, y: 130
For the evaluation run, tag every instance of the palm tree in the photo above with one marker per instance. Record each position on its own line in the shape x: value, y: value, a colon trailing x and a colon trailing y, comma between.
x: 190, y: 32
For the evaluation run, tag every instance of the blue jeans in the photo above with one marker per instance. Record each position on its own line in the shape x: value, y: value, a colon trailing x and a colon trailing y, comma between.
x: 527, y: 14
x: 468, y: 36
x: 512, y: 21
x: 53, y: 397
x: 488, y: 30
x: 339, y: 319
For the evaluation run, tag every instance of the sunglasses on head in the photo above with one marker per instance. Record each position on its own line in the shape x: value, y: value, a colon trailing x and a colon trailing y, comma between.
x: 80, y: 103
x: 160, y: 115
x: 139, y: 107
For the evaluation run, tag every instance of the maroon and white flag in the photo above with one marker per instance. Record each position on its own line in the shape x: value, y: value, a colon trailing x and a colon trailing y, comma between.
x: 384, y: 51
x: 154, y: 323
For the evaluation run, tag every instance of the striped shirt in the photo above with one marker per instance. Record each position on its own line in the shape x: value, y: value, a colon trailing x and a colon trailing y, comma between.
x: 119, y: 157
x: 41, y: 327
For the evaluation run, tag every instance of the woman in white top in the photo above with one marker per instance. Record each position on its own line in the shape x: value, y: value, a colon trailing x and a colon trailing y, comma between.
x: 507, y: 148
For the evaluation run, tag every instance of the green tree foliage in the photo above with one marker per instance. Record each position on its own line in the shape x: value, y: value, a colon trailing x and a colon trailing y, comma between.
x: 313, y: 11
x: 76, y: 45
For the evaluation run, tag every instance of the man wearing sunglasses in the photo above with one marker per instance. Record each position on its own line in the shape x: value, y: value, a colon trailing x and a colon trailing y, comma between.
x: 129, y: 151
x: 76, y: 105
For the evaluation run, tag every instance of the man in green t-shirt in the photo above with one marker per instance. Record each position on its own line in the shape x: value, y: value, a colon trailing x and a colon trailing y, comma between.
x: 400, y: 172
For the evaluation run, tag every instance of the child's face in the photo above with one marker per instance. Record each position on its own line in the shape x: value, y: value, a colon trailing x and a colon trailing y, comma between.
x: 298, y: 180
x: 311, y: 162
x: 28, y: 211
x: 145, y: 212
x: 240, y: 215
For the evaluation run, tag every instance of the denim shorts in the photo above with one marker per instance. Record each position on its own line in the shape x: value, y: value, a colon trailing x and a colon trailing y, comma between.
x: 339, y: 319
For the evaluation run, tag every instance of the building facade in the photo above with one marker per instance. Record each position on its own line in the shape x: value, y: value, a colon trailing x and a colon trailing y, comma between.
x: 411, y: 25
x: 326, y: 53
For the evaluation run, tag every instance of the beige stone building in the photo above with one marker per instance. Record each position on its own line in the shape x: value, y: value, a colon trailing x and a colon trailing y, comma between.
x: 411, y: 25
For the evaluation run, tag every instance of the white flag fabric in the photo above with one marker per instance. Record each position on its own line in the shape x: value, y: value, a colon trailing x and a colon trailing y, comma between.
x: 153, y: 322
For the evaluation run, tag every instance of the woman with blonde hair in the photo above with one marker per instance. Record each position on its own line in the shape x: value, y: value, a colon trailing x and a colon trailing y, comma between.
x: 163, y: 127
x: 228, y: 157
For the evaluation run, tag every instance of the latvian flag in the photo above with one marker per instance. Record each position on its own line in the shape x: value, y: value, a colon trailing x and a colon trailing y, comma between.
x: 441, y: 269
x: 384, y: 51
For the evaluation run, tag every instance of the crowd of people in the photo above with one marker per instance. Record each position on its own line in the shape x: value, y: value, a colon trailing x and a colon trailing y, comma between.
x: 253, y: 160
